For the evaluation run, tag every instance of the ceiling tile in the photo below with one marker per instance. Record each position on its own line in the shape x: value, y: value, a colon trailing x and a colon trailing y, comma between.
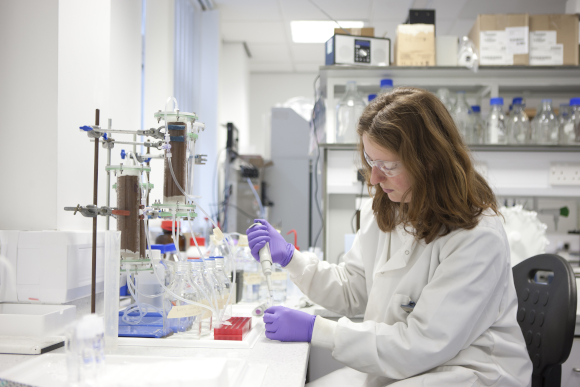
x: 264, y: 67
x: 447, y: 9
x: 253, y: 32
x: 396, y: 10
x: 461, y: 27
x: 308, y: 67
x: 249, y: 10
x: 307, y: 52
x: 474, y: 7
x: 337, y: 9
x: 269, y: 52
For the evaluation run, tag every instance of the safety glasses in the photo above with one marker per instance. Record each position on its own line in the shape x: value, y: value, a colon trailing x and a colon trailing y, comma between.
x: 389, y: 168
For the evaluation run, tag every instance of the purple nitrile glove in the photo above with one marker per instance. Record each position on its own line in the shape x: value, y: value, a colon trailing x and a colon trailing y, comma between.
x: 280, y: 250
x: 285, y: 324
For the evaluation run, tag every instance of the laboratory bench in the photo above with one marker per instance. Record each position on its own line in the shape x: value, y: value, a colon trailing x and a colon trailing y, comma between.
x: 286, y: 363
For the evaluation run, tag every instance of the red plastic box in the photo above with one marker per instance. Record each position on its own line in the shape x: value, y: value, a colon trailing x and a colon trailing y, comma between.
x: 236, y: 332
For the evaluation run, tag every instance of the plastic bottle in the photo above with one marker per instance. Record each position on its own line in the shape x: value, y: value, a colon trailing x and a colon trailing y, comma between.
x: 478, y: 125
x: 85, y: 351
x: 196, y: 275
x: 226, y: 283
x: 348, y: 112
x: 167, y: 238
x: 461, y: 114
x: 545, y: 125
x: 571, y: 132
x: 251, y: 276
x: 519, y: 130
x: 386, y: 86
x: 180, y: 315
x: 495, y: 128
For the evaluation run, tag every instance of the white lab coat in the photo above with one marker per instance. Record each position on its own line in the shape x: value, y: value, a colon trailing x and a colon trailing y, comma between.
x: 462, y: 331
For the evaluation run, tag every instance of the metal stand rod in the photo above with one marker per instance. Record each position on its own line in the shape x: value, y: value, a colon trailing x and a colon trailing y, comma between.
x: 109, y: 179
x: 95, y: 182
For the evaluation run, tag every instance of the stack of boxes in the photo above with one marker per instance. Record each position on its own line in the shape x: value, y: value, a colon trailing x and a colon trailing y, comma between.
x: 500, y: 40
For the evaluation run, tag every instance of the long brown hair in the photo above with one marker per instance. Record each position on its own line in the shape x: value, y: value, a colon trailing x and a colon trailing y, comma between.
x: 447, y: 192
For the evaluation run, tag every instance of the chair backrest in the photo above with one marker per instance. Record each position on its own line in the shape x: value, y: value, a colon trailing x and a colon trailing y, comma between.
x: 546, y: 290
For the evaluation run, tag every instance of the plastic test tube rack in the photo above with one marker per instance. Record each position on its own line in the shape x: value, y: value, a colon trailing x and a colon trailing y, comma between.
x: 236, y: 332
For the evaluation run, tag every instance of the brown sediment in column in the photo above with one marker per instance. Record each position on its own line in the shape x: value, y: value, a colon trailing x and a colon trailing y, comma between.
x: 171, y: 193
x: 143, y: 239
x: 129, y: 199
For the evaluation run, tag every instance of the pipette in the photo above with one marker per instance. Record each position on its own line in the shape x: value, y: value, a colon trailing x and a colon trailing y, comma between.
x: 266, y: 261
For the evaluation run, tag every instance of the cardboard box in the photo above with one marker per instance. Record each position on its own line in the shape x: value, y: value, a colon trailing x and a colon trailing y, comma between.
x: 446, y: 48
x: 501, y: 40
x: 553, y: 40
x: 366, y: 31
x: 415, y: 45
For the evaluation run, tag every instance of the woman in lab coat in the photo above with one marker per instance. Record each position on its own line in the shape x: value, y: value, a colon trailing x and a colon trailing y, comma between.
x: 429, y: 268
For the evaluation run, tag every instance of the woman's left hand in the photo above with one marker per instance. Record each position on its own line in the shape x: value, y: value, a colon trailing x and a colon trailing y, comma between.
x: 285, y: 324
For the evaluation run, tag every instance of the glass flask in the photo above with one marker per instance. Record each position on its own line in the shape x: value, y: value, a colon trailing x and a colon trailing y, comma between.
x: 348, y: 112
x: 180, y: 314
x: 478, y: 125
x: 216, y: 286
x: 251, y: 274
x: 495, y: 128
x: 227, y: 286
x: 445, y: 98
x: 461, y: 113
x: 386, y: 86
x: 570, y: 133
x: 204, y: 324
x: 545, y: 125
x: 279, y: 283
x: 566, y: 131
x: 518, y: 126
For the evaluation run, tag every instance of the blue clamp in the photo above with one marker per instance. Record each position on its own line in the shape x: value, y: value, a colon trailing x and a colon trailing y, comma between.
x: 147, y: 160
x: 123, y: 154
x: 105, y: 136
x: 86, y: 128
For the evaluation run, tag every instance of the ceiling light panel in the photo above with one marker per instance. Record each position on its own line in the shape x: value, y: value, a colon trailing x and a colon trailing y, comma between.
x: 318, y: 31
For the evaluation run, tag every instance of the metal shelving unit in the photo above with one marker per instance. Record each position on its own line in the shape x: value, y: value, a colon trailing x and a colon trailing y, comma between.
x: 513, y: 171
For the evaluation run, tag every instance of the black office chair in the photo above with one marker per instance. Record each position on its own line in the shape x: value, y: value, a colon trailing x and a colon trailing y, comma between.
x: 546, y: 290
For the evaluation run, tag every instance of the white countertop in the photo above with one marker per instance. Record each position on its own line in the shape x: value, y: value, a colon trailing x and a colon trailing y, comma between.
x: 287, y: 362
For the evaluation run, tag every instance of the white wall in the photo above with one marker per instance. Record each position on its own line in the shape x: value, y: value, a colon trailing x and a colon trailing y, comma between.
x: 63, y: 60
x: 28, y: 107
x: 268, y: 89
x: 234, y: 95
x: 159, y: 39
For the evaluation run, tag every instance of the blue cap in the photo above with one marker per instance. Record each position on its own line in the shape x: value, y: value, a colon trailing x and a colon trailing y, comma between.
x: 209, y: 259
x: 123, y: 154
x: 574, y: 101
x: 496, y: 101
x: 476, y: 109
x: 372, y: 96
x: 517, y: 101
x: 168, y: 248
x: 217, y: 257
x: 386, y: 83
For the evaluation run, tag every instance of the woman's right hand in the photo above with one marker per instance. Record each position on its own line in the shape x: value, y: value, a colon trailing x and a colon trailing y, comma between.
x: 263, y: 233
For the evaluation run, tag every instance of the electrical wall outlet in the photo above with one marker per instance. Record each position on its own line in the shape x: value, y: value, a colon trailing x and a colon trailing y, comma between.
x: 565, y: 174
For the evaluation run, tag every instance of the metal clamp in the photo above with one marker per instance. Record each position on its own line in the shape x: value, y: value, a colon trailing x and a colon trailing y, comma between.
x: 92, y: 211
x: 200, y: 159
x: 576, y: 369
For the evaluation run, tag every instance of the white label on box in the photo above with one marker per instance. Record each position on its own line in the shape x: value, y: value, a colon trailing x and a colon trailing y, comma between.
x: 547, y: 56
x: 493, y: 50
x: 517, y: 40
x: 544, y: 51
x: 543, y: 38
